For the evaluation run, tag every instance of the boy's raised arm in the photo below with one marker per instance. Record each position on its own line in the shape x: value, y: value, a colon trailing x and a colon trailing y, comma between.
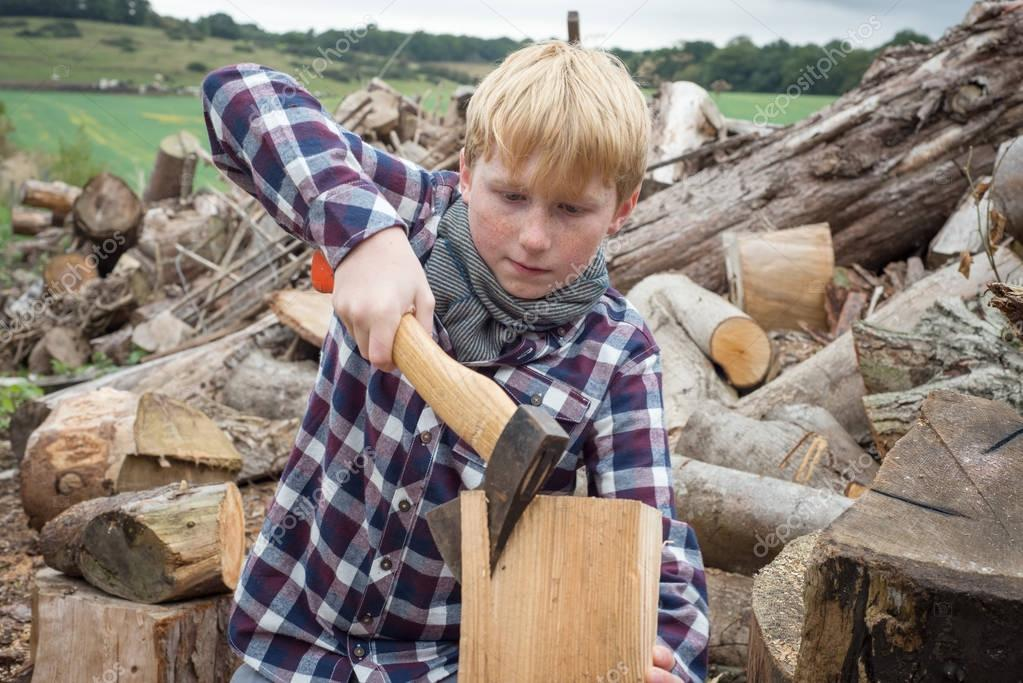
x: 626, y: 456
x: 320, y: 182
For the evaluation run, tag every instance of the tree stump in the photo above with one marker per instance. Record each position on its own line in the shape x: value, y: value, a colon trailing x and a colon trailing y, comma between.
x: 923, y: 578
x: 81, y: 634
x: 108, y: 214
x: 174, y: 168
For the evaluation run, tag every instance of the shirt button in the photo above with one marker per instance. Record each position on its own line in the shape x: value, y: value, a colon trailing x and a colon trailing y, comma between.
x: 359, y: 651
x: 536, y: 399
x: 404, y: 505
x: 561, y: 331
x: 366, y: 618
x: 425, y: 437
x: 386, y: 563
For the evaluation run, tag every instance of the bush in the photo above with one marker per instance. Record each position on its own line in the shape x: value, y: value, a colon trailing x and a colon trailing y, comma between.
x: 198, y: 67
x: 243, y: 48
x: 64, y: 28
x: 126, y: 43
x: 74, y: 162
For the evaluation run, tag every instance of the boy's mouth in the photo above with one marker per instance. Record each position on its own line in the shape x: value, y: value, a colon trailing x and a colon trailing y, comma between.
x: 522, y: 268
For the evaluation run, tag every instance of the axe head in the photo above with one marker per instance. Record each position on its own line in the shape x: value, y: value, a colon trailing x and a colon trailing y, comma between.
x: 525, y: 455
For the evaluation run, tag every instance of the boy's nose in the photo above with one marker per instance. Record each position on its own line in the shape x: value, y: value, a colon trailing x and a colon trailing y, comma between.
x: 535, y: 236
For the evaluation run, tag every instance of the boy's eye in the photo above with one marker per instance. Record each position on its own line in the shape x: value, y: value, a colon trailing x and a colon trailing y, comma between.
x: 513, y: 196
x: 571, y: 210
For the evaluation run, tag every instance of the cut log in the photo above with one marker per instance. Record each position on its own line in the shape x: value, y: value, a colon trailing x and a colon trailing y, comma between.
x: 780, y: 278
x: 161, y: 333
x: 803, y: 444
x: 728, y: 596
x: 776, y: 628
x: 939, y: 594
x: 54, y: 195
x: 831, y: 378
x: 722, y: 332
x: 108, y: 214
x: 568, y: 556
x: 28, y: 221
x: 64, y: 345
x: 898, y: 139
x: 110, y: 441
x: 950, y: 348
x: 308, y: 312
x: 199, y: 228
x: 68, y: 273
x: 174, y: 168
x: 744, y: 520
x: 683, y: 117
x: 688, y: 376
x: 179, y: 543
x: 81, y: 634
x: 267, y: 387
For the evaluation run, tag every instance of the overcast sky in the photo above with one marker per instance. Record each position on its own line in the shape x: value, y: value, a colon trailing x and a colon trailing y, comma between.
x: 629, y: 24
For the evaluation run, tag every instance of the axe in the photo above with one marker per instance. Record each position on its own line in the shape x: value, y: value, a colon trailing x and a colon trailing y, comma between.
x: 520, y: 443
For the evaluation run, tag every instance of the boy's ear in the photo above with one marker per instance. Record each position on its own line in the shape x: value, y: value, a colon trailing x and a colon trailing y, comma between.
x: 623, y: 211
x: 464, y: 176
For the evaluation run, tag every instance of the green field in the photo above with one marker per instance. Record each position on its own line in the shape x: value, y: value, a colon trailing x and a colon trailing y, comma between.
x: 746, y: 105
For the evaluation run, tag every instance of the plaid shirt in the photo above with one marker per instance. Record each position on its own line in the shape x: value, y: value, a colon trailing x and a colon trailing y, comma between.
x: 344, y: 577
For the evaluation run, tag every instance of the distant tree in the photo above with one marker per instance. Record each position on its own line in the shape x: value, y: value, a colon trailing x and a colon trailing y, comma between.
x: 906, y: 36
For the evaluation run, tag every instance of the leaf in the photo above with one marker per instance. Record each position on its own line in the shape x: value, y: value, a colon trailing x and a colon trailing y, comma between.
x: 997, y: 222
x: 965, y: 261
x: 980, y: 190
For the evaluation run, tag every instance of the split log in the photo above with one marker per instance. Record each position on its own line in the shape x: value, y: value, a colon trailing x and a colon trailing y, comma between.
x: 308, y: 312
x: 174, y: 168
x: 55, y: 195
x: 27, y: 221
x: 779, y: 278
x: 937, y: 595
x: 688, y: 376
x: 803, y: 444
x: 108, y: 214
x: 522, y: 623
x: 776, y: 628
x: 161, y: 333
x: 950, y: 348
x: 722, y: 332
x: 831, y: 378
x: 683, y: 117
x: 68, y: 273
x: 728, y: 596
x: 744, y: 520
x: 111, y: 441
x: 896, y: 140
x: 178, y: 543
x: 183, y: 642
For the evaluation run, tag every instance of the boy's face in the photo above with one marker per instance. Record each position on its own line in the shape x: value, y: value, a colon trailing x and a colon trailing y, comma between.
x: 536, y: 244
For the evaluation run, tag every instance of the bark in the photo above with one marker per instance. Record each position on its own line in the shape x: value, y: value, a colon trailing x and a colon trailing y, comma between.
x: 921, y: 579
x: 56, y: 196
x: 897, y: 140
x: 28, y: 221
x: 728, y: 596
x: 174, y: 168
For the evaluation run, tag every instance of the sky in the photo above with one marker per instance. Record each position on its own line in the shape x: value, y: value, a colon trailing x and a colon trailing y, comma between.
x: 629, y: 24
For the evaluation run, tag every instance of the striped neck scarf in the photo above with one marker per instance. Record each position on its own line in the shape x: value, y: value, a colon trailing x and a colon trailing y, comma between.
x: 481, y: 318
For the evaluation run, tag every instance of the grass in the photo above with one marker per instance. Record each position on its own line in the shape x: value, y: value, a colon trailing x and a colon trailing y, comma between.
x: 747, y: 105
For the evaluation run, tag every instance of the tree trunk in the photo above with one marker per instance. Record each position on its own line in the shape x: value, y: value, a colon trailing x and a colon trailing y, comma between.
x: 722, y: 332
x: 950, y: 348
x: 108, y: 214
x: 780, y: 278
x: 921, y: 579
x: 897, y: 140
x: 831, y: 378
x: 776, y: 628
x: 81, y: 634
x: 744, y: 520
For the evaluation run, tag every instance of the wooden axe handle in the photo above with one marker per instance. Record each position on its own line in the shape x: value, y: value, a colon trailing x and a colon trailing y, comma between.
x: 473, y: 405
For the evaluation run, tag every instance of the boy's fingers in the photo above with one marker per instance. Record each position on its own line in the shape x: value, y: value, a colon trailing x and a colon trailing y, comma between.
x: 663, y: 657
x: 381, y: 341
x: 424, y: 309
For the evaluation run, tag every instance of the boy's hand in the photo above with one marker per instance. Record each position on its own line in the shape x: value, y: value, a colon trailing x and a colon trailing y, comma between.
x: 660, y: 672
x: 374, y: 285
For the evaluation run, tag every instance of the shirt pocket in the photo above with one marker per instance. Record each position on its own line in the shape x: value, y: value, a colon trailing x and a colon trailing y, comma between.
x: 528, y: 386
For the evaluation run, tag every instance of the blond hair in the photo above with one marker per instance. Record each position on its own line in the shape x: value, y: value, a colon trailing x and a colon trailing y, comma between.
x: 578, y: 108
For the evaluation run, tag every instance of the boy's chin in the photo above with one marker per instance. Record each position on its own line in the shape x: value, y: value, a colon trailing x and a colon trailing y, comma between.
x: 524, y: 290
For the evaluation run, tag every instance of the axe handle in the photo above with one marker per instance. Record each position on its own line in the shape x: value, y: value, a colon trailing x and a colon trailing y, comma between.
x: 473, y: 405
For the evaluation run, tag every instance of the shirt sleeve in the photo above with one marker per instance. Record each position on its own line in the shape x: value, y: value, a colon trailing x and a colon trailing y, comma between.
x: 319, y: 181
x: 626, y: 456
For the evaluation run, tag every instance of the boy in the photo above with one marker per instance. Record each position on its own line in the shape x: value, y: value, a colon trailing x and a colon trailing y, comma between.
x: 502, y: 261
